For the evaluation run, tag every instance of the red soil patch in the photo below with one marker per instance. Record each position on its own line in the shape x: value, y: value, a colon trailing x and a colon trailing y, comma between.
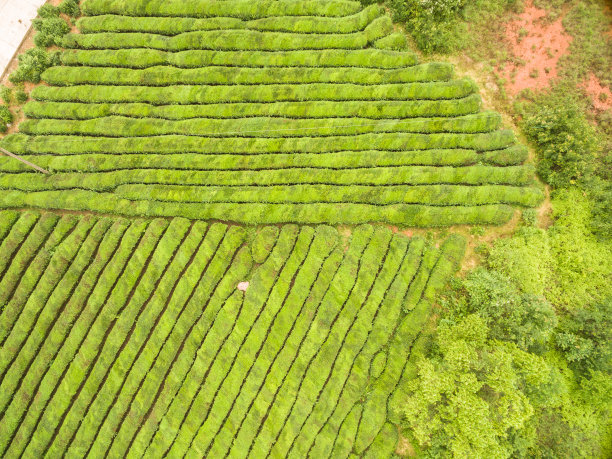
x: 600, y: 95
x: 539, y: 45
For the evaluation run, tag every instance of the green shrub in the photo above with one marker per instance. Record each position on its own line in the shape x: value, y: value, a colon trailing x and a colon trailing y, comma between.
x: 565, y: 142
x: 21, y: 96
x: 70, y: 8
x: 526, y: 258
x: 525, y: 319
x: 586, y: 337
x: 201, y: 94
x: 48, y: 11
x: 176, y: 25
x: 432, y: 23
x: 6, y: 94
x: 530, y: 217
x: 50, y: 31
x: 32, y: 64
x: 116, y: 126
x: 6, y: 117
x: 301, y: 109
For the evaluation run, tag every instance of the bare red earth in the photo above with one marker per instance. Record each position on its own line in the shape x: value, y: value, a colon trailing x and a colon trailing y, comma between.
x: 539, y: 45
x: 600, y: 95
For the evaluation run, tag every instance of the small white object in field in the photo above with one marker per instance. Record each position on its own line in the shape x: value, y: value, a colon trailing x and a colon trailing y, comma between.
x: 243, y: 286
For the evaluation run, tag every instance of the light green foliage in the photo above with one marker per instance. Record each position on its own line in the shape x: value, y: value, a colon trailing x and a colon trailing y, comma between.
x: 567, y: 263
x: 260, y: 112
x: 581, y: 272
x: 469, y: 401
x: 136, y: 341
x: 395, y: 41
x: 263, y: 243
x: 378, y: 365
x: 526, y: 257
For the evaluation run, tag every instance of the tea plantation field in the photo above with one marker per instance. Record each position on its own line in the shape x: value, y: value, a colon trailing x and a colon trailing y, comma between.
x: 260, y: 112
x: 129, y: 337
x: 208, y: 270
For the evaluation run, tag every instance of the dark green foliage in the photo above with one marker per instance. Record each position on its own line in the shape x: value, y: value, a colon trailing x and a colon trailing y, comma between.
x: 32, y: 64
x: 566, y: 144
x: 50, y: 31
x: 511, y: 316
x: 585, y: 337
x: 48, y: 11
x: 6, y: 117
x: 431, y: 24
x: 6, y: 94
x: 70, y: 8
x: 21, y: 96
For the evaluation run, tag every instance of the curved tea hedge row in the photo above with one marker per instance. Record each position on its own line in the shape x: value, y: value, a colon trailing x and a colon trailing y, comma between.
x: 245, y: 9
x: 177, y: 25
x: 387, y: 109
x: 241, y: 40
x: 260, y: 112
x: 143, y: 58
x: 130, y: 337
x: 218, y: 75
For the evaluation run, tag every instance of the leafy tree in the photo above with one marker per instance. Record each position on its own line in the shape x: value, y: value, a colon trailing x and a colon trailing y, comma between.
x: 32, y: 63
x: 586, y: 338
x: 522, y: 318
x: 566, y: 144
x: 432, y: 23
x: 50, y: 31
x: 472, y: 399
x: 70, y: 7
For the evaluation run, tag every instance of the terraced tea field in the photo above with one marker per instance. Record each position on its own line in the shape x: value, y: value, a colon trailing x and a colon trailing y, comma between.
x: 129, y: 337
x: 260, y: 112
x: 146, y: 310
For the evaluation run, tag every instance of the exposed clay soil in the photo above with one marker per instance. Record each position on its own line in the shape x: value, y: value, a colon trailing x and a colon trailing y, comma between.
x: 600, y: 95
x: 537, y: 45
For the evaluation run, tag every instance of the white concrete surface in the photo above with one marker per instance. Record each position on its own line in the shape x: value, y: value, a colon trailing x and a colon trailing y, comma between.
x: 15, y: 21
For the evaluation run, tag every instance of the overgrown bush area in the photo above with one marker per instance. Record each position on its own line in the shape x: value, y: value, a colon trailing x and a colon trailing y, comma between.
x: 523, y: 348
x: 443, y: 26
